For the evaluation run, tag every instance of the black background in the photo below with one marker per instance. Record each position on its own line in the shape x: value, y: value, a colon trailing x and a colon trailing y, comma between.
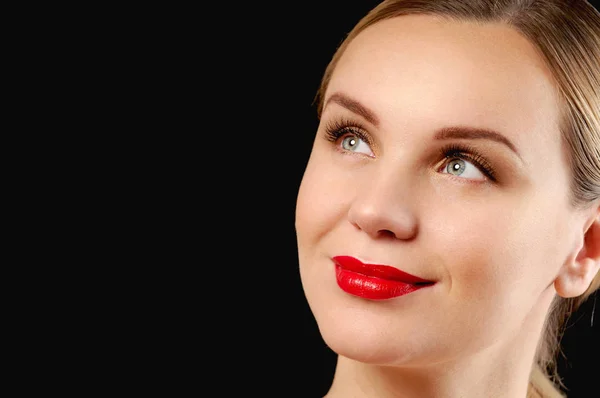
x: 288, y: 49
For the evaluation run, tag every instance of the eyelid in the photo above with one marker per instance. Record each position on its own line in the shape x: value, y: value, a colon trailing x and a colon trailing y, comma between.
x: 341, y: 124
x: 443, y: 170
x: 469, y: 154
x: 338, y: 127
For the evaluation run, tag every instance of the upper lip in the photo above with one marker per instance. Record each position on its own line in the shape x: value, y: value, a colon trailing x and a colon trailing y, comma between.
x: 377, y: 270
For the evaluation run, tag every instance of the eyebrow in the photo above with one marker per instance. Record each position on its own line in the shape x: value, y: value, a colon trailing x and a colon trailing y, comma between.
x: 474, y: 133
x: 354, y: 106
x: 445, y: 133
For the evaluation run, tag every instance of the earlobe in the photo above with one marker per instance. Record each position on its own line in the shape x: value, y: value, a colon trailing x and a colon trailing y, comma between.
x: 582, y: 267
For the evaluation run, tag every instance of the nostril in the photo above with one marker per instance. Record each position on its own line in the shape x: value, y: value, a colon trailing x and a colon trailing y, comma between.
x: 387, y: 233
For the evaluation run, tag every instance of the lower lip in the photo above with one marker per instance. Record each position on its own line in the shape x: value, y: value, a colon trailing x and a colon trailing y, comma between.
x: 372, y: 287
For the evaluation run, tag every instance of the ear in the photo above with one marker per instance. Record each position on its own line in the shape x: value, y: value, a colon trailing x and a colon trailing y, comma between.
x: 579, y: 271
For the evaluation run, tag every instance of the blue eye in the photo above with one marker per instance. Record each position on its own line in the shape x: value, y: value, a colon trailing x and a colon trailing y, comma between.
x: 463, y: 168
x: 353, y: 143
x: 465, y: 161
x: 349, y: 136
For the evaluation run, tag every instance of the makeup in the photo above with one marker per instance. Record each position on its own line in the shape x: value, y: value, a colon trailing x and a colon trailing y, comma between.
x: 375, y: 281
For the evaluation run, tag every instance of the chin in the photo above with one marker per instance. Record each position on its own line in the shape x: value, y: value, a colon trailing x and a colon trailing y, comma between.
x: 364, y: 338
x: 369, y: 349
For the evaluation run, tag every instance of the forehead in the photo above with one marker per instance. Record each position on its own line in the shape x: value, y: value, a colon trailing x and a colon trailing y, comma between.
x: 417, y: 68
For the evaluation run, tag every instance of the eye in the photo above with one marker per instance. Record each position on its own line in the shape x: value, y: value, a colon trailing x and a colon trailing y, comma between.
x: 466, y: 162
x: 349, y: 136
x: 353, y: 143
x: 462, y: 168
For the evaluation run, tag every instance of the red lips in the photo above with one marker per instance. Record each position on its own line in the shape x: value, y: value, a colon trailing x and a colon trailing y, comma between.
x: 373, y: 281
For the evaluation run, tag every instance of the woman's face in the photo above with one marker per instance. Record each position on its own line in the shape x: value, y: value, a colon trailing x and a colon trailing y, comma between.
x: 438, y: 153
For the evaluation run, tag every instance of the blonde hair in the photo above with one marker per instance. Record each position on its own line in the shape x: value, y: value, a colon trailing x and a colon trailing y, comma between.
x: 567, y: 36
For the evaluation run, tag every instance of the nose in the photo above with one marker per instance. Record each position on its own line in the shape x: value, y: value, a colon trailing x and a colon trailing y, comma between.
x: 382, y: 209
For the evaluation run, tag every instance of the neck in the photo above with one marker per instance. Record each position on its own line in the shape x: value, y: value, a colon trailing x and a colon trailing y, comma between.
x: 499, y: 370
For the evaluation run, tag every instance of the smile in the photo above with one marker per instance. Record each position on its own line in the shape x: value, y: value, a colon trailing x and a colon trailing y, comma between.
x: 373, y: 281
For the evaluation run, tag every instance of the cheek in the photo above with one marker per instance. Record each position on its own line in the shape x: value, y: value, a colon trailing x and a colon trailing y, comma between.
x: 503, y: 246
x: 497, y: 259
x: 322, y: 201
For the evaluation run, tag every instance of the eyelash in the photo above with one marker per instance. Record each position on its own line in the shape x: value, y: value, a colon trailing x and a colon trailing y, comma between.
x: 336, y: 129
x: 468, y: 153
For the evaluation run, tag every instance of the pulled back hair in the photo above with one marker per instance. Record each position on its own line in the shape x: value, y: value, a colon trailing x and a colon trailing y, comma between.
x: 566, y: 34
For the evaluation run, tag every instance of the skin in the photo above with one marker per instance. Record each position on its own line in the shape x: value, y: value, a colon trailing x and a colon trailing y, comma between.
x: 498, y: 250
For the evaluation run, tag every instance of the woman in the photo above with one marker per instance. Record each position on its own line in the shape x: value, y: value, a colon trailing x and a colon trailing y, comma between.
x: 448, y: 219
